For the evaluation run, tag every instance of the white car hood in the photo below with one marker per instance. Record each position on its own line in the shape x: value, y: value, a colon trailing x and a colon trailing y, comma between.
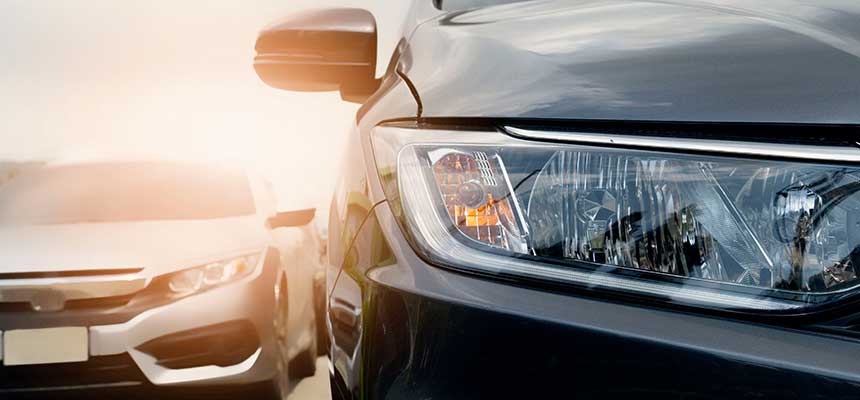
x: 156, y: 246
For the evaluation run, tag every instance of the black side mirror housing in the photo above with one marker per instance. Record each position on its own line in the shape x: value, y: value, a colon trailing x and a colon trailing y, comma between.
x: 291, y: 218
x: 321, y: 50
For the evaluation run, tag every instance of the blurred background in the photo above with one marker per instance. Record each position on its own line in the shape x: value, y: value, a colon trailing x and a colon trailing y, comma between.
x: 165, y: 79
x: 106, y: 79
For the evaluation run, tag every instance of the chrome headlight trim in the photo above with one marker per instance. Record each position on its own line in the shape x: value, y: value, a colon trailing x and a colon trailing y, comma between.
x: 431, y: 233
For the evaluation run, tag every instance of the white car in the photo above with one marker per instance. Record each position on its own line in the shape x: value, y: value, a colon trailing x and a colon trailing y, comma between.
x: 151, y: 273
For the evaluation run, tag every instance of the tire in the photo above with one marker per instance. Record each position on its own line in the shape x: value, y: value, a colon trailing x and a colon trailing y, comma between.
x: 279, y: 386
x: 337, y: 390
x: 319, y: 315
x: 305, y: 363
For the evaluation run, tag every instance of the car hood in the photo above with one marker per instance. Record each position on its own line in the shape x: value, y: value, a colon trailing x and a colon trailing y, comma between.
x: 739, y: 61
x: 155, y: 246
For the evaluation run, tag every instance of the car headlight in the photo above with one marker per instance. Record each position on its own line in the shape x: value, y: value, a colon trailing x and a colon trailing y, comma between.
x: 198, y: 279
x: 721, y: 231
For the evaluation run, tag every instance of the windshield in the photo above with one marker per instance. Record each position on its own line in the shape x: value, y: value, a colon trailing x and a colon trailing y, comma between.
x: 458, y: 5
x: 123, y: 192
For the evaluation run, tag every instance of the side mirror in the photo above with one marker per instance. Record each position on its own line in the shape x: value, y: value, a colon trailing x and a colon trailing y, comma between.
x: 321, y: 50
x: 291, y: 219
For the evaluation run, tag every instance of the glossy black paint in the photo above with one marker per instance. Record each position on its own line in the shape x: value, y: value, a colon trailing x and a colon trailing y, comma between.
x: 403, y: 329
x: 419, y: 331
x: 728, y: 61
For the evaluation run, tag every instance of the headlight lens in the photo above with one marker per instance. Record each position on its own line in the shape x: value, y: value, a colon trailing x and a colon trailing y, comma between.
x: 193, y: 280
x: 721, y: 231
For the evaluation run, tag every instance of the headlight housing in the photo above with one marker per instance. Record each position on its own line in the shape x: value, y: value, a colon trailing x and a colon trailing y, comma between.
x: 198, y: 279
x: 720, y: 231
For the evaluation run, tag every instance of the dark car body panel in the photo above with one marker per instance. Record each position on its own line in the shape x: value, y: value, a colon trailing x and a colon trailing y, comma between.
x: 425, y: 332
x: 717, y: 61
x: 401, y: 328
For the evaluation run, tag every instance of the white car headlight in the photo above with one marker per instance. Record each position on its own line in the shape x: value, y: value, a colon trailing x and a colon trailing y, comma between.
x: 193, y: 280
x: 722, y: 231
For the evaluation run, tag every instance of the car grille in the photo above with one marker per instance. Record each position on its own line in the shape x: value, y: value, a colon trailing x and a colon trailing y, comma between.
x: 98, y: 373
x: 105, y: 303
x: 76, y: 298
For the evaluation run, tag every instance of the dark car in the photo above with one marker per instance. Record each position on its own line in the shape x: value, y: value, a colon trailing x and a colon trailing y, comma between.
x: 585, y: 199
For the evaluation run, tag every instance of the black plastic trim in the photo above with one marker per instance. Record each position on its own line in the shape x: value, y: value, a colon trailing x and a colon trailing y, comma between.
x: 223, y: 344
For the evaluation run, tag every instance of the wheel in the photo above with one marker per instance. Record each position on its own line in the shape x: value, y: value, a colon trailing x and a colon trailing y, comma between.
x: 319, y: 316
x: 338, y: 392
x: 281, y: 382
x: 305, y: 363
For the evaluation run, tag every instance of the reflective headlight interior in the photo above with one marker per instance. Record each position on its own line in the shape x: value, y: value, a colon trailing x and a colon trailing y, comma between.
x: 781, y: 234
x: 201, y: 278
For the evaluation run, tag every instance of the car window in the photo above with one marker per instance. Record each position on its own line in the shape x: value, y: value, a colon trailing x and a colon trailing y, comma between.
x: 121, y: 192
x: 458, y: 5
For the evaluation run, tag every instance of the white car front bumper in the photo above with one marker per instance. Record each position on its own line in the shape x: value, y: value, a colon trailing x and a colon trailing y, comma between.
x: 249, y: 302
